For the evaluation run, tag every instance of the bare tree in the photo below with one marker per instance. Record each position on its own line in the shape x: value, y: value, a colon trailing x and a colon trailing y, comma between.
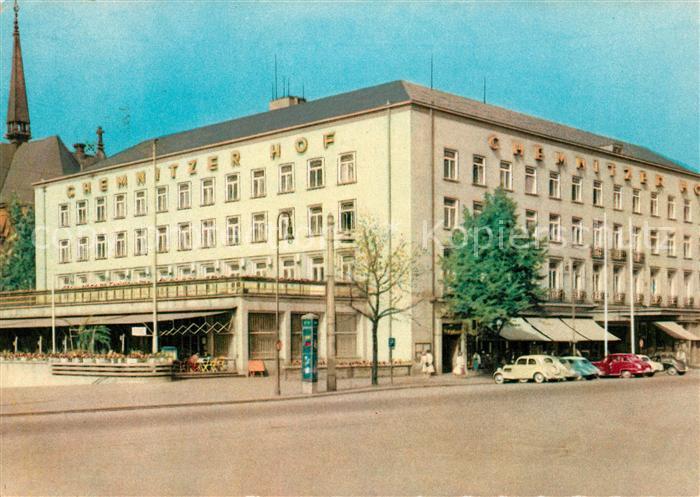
x: 380, y: 277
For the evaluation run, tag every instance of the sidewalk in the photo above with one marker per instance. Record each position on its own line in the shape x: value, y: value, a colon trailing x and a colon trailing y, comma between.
x: 209, y: 391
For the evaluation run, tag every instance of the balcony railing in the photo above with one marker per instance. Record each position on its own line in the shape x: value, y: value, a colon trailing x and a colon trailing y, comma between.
x: 579, y: 295
x: 556, y: 295
x: 597, y: 252
x: 673, y: 301
x: 618, y: 255
x: 689, y: 302
x: 598, y: 297
x: 619, y: 298
x: 639, y: 299
x: 656, y: 300
x: 638, y: 257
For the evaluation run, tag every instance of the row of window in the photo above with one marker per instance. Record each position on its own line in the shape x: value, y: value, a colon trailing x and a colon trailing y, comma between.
x: 554, y: 187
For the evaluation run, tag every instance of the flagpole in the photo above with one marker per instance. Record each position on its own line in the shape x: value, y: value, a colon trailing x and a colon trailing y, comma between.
x: 605, y: 279
x: 631, y: 269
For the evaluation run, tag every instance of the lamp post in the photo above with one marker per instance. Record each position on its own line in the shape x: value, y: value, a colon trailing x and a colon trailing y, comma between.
x: 331, y: 383
x: 278, y: 343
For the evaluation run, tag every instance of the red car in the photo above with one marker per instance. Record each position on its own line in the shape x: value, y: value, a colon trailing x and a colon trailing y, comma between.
x: 624, y: 366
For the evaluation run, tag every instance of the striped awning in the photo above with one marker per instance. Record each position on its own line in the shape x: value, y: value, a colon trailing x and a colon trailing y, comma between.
x: 556, y: 330
x: 519, y: 330
x: 590, y: 329
x: 676, y: 330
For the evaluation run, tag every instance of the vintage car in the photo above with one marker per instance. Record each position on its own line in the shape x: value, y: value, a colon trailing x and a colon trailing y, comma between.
x: 656, y: 367
x: 671, y: 365
x: 538, y: 368
x: 623, y: 366
x: 582, y: 365
x: 567, y: 369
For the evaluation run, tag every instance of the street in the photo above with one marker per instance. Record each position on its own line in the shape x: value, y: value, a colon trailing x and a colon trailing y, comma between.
x: 604, y: 437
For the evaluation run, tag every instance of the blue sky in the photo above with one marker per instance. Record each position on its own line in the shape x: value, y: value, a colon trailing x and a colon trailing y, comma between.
x: 147, y: 68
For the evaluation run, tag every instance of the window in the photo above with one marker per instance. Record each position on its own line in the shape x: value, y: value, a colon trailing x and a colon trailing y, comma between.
x: 120, y: 244
x: 184, y: 236
x: 208, y: 233
x: 531, y: 221
x: 208, y: 191
x: 477, y: 209
x: 576, y: 193
x: 671, y: 207
x: 554, y: 228
x: 162, y: 199
x: 233, y: 230
x: 597, y: 283
x: 185, y: 271
x: 261, y: 269
x: 636, y: 238
x: 64, y: 215
x: 654, y: 203
x: 140, y: 203
x: 100, y: 209
x: 233, y: 190
x: 258, y: 184
x: 315, y: 179
x: 285, y: 229
x: 140, y: 242
x: 671, y: 276
x: 671, y: 244
x: 577, y: 231
x: 554, y: 185
x: 654, y: 282
x: 450, y: 213
x: 478, y: 170
x: 120, y: 206
x: 617, y: 238
x: 100, y: 246
x: 531, y: 180
x: 317, y: 270
x: 288, y: 269
x: 553, y: 275
x: 184, y: 198
x: 636, y: 202
x: 506, y: 176
x: 286, y: 178
x: 163, y: 240
x: 598, y: 234
x: 83, y: 249
x: 597, y: 193
x: 617, y: 197
x: 259, y: 227
x: 347, y: 215
x: 449, y: 162
x: 618, y: 285
x: 654, y: 241
x: 81, y: 212
x: 346, y: 264
x: 346, y: 168
x: 315, y: 220
x: 686, y: 247
x: 687, y: 211
x: 232, y: 268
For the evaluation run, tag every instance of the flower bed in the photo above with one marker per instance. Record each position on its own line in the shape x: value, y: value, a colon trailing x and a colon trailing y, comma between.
x: 81, y: 356
x: 354, y: 369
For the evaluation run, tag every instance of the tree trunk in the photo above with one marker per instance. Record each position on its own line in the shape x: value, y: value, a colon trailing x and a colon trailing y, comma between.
x: 375, y: 347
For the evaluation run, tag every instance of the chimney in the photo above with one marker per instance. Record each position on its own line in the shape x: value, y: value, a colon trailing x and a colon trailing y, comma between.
x: 100, y: 154
x: 284, y: 102
x: 79, y: 151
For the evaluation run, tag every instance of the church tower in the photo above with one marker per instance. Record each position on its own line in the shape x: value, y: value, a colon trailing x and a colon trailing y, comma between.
x: 18, y: 128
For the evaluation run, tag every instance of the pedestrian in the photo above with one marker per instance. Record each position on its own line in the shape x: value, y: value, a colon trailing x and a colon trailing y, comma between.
x: 427, y: 363
x: 680, y: 354
x: 460, y: 365
x: 476, y: 361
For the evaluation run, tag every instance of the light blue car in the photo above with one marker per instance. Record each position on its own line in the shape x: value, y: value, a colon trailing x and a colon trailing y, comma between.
x: 582, y: 366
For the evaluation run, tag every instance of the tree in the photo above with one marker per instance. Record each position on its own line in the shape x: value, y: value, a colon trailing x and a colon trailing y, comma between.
x: 89, y: 336
x: 17, y: 255
x: 493, y: 270
x: 380, y: 278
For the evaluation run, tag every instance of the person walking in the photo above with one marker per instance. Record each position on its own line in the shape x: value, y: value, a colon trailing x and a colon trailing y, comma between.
x: 427, y: 363
x: 460, y: 368
x: 476, y: 361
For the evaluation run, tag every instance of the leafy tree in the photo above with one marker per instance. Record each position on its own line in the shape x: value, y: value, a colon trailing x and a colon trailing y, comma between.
x: 89, y: 336
x: 380, y: 278
x: 17, y: 254
x: 493, y: 270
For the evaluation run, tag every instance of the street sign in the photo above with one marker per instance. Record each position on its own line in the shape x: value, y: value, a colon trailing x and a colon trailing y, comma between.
x: 139, y: 331
x: 309, y: 351
x: 392, y: 342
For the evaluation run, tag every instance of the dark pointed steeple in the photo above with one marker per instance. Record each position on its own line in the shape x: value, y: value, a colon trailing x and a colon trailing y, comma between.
x: 18, y: 129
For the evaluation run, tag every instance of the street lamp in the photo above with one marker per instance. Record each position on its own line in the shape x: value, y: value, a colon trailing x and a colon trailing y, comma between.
x: 289, y: 236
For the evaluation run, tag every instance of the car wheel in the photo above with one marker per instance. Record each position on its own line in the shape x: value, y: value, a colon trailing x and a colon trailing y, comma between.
x: 651, y: 374
x: 626, y: 374
x: 672, y: 371
x: 498, y: 378
x: 539, y: 378
x: 591, y: 377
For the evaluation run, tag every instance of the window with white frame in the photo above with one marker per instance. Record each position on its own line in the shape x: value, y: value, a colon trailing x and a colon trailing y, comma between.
x: 506, y: 175
x: 688, y: 284
x: 477, y: 208
x: 449, y: 162
x: 207, y: 269
x: 617, y: 280
x: 184, y: 195
x: 317, y: 269
x: 346, y: 168
x: 208, y: 191
x: 687, y: 211
x: 315, y: 175
x: 163, y: 239
x: 162, y: 199
x: 286, y: 181
x: 553, y: 274
x: 554, y: 185
x: 654, y: 282
x: 232, y: 268
x: 140, y: 203
x: 120, y: 206
x: 530, y: 180
x: 258, y: 183
x: 636, y: 201
x: 636, y: 238
x: 83, y: 248
x: 259, y: 226
x: 554, y: 228
x: 597, y: 283
x: 598, y: 193
x: 654, y: 241
x: 577, y: 231
x: 315, y: 220
x: 671, y: 277
x: 347, y: 262
x: 140, y: 242
x: 81, y: 210
x: 598, y: 234
x: 671, y: 244
x: 449, y: 209
x: 233, y: 230
x: 100, y: 209
x: 347, y: 216
x: 285, y: 228
x: 100, y: 276
x: 478, y: 170
x: 288, y: 269
x: 531, y: 221
x: 120, y: 244
x: 208, y: 233
x: 617, y: 237
x: 185, y: 271
x: 260, y: 268
x: 617, y: 197
x: 654, y: 203
x: 184, y: 236
x: 687, y: 247
x: 233, y: 187
x: 64, y: 215
x: 100, y: 246
x: 671, y: 207
x: 65, y: 281
x: 576, y: 189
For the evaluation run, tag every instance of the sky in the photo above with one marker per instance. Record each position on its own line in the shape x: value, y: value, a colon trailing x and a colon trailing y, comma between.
x: 142, y: 69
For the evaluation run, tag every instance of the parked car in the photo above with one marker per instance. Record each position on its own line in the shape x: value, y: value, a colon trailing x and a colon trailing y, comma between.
x: 671, y: 365
x: 567, y: 369
x: 656, y: 367
x: 583, y: 366
x: 623, y: 366
x: 538, y: 368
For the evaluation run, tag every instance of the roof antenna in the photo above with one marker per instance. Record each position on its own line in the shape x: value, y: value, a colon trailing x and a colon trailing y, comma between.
x: 431, y: 71
x: 484, y: 89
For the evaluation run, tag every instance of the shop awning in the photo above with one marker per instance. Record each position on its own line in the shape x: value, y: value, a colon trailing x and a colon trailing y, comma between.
x: 106, y: 320
x: 556, y: 330
x: 590, y: 329
x: 676, y: 330
x: 520, y: 330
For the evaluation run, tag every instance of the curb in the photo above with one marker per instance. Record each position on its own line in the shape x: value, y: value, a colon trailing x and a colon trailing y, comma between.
x: 233, y: 402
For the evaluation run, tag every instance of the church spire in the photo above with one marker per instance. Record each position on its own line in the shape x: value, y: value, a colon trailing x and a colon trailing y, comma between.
x: 18, y: 129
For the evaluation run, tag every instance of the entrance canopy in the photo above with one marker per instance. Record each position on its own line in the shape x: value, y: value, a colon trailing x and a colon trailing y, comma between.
x: 520, y: 330
x: 556, y: 330
x: 106, y: 320
x: 590, y: 329
x: 676, y: 330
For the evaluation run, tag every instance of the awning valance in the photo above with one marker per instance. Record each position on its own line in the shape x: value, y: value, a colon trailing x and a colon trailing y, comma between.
x: 590, y: 329
x: 520, y: 330
x: 106, y: 320
x: 556, y: 330
x: 676, y: 330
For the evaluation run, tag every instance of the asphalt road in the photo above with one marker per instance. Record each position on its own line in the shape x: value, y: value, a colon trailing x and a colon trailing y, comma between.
x: 606, y: 437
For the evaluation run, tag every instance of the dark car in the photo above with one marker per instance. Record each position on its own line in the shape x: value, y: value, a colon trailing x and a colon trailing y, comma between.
x: 623, y: 366
x: 672, y: 366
